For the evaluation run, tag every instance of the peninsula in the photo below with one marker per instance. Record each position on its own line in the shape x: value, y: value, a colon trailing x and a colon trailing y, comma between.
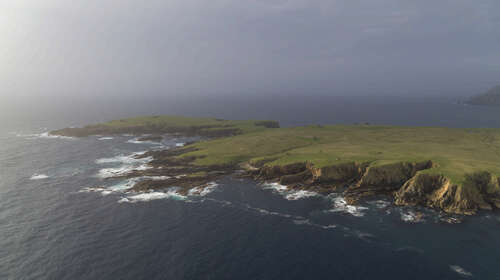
x: 490, y: 98
x: 452, y: 170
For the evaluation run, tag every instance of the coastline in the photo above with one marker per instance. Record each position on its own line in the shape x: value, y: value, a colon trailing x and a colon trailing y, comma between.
x: 408, y: 182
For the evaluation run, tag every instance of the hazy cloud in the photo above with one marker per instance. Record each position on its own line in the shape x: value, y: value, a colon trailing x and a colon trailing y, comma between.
x: 106, y: 47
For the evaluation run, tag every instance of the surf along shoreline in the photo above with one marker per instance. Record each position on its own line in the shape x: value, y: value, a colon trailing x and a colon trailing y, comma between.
x: 450, y: 170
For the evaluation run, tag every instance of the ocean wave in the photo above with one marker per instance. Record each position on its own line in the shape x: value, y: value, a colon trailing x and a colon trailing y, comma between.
x: 180, y: 144
x: 43, y: 135
x: 340, y: 205
x: 460, y: 270
x: 136, y: 141
x: 411, y: 217
x: 37, y: 176
x: 149, y: 196
x: 92, y: 189
x: 287, y: 193
x: 123, y: 186
x: 121, y: 171
x: 105, y: 138
x: 275, y: 186
x: 203, y: 191
x: 296, y: 195
x: 132, y: 158
x: 380, y: 204
x: 129, y: 163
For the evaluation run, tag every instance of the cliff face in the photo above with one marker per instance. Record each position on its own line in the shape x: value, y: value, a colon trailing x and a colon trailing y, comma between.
x: 402, y: 181
x: 478, y: 192
x: 384, y: 179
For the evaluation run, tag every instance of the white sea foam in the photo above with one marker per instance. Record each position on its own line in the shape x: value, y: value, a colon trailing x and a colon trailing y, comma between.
x: 44, y: 135
x: 203, y: 191
x: 180, y: 144
x: 148, y: 196
x: 39, y: 176
x: 105, y: 138
x: 128, y: 159
x: 123, y: 186
x: 340, y: 205
x: 460, y: 270
x: 411, y: 217
x: 47, y: 135
x: 92, y: 189
x: 380, y: 204
x: 129, y: 164
x: 136, y: 141
x: 287, y: 193
x: 275, y: 186
x: 296, y: 195
x: 121, y: 171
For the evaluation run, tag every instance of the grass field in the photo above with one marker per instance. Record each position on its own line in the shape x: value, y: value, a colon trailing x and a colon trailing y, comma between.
x: 170, y: 124
x: 454, y: 152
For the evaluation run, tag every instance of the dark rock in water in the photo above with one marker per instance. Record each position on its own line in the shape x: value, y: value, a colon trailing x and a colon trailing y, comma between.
x: 152, y: 138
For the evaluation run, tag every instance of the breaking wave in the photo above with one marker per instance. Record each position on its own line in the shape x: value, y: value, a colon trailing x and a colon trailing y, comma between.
x: 340, y: 205
x: 44, y: 135
x: 287, y: 193
x: 136, y: 141
x: 203, y: 191
x: 105, y: 138
x: 149, y: 196
x: 132, y: 158
x: 460, y: 270
x: 129, y: 164
x: 296, y: 195
x: 121, y: 171
x: 39, y: 176
x: 411, y: 217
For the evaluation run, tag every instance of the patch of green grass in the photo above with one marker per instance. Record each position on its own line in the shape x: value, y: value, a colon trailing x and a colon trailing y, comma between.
x: 455, y: 152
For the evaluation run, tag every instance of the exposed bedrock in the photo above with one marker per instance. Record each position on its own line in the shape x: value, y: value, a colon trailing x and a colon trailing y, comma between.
x: 480, y: 191
x: 384, y: 179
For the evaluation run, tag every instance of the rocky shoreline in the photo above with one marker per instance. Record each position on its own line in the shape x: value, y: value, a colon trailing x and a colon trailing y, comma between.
x: 405, y: 183
x: 438, y: 168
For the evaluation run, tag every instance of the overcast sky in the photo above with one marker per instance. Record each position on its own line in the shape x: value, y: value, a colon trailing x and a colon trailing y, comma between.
x: 173, y: 47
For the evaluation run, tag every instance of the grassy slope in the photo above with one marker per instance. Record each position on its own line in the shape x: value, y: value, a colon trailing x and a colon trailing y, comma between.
x: 161, y: 124
x: 455, y: 151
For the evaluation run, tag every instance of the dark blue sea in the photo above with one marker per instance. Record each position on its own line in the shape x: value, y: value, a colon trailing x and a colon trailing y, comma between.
x: 62, y: 218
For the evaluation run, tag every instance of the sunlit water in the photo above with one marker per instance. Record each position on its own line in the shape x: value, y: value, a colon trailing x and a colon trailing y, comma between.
x: 61, y: 217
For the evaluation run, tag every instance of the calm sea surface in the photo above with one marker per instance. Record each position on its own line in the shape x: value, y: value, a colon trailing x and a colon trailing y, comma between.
x: 60, y: 218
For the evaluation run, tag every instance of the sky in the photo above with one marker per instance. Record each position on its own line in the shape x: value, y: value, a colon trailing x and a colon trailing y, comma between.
x: 106, y: 49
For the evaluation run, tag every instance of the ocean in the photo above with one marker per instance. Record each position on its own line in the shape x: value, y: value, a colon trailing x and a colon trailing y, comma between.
x: 61, y: 217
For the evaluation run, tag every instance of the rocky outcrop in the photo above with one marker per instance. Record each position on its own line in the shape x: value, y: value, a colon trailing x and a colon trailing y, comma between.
x: 479, y: 191
x: 151, y: 138
x: 214, y: 131
x: 339, y: 174
x: 403, y: 180
x: 277, y: 171
x: 384, y: 179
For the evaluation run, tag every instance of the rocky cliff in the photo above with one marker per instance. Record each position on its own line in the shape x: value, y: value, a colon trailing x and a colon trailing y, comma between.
x: 404, y: 181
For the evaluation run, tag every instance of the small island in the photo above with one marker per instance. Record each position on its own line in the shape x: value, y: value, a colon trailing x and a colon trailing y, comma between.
x: 452, y: 170
x: 489, y: 98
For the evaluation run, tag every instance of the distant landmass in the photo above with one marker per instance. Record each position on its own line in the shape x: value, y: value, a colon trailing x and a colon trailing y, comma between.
x: 491, y: 97
x: 452, y: 170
